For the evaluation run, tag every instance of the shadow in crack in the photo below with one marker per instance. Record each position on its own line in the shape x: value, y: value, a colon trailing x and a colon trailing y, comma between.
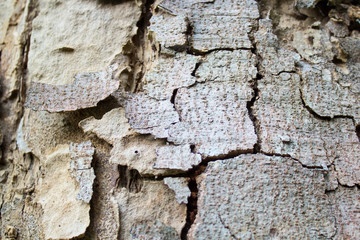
x: 112, y: 2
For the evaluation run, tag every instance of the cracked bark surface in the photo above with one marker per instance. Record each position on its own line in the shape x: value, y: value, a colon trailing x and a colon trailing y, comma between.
x: 258, y: 196
x: 168, y: 119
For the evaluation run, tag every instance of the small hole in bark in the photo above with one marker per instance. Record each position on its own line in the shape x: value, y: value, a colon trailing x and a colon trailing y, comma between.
x: 192, y: 148
x: 311, y: 40
x: 273, y: 231
x: 337, y: 61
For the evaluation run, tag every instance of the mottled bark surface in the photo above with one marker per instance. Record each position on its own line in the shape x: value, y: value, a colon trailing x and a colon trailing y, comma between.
x: 169, y: 119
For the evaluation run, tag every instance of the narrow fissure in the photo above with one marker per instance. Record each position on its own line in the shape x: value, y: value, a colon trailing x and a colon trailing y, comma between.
x: 195, y: 52
x: 316, y: 115
x: 358, y: 131
x: 296, y: 160
x: 197, y: 65
x: 312, y: 112
x: 192, y: 208
x: 229, y: 155
x: 173, y: 96
x: 250, y: 106
x: 25, y: 53
x: 139, y: 40
x: 32, y: 14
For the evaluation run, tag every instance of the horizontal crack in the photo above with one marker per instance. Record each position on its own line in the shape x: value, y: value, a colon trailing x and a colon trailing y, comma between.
x: 318, y: 116
x: 203, y: 53
x: 297, y: 160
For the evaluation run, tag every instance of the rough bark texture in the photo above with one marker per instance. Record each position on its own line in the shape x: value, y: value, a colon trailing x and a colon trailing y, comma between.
x: 170, y: 119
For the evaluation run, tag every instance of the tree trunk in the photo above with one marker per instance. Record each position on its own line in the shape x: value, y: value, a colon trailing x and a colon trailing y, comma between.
x: 169, y: 119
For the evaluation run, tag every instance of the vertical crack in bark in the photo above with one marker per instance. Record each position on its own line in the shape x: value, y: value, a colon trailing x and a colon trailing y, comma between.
x: 173, y: 96
x: 197, y: 65
x: 11, y: 106
x: 358, y: 131
x: 249, y: 106
x: 32, y: 13
x: 192, y: 208
x: 137, y: 57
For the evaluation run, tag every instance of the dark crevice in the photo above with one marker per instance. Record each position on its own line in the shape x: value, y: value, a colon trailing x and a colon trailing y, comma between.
x: 192, y: 208
x: 189, y: 33
x: 323, y: 7
x: 329, y: 191
x: 197, y: 65
x: 25, y: 53
x: 337, y: 61
x: 171, y: 174
x: 316, y: 115
x: 12, y: 107
x: 129, y: 179
x: 358, y: 131
x: 173, y: 96
x: 112, y: 2
x: 354, y: 25
x: 278, y: 74
x: 32, y: 14
x: 297, y: 160
x: 229, y: 155
x: 136, y: 54
x: 249, y: 106
x: 254, y: 84
x: 196, y: 52
x: 192, y: 174
x: 101, y: 108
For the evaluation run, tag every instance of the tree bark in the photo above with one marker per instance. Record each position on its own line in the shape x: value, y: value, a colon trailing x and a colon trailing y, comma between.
x: 167, y: 119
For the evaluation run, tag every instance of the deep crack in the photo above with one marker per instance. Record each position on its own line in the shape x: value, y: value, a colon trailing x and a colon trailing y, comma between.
x: 192, y: 174
x: 250, y: 105
x: 296, y: 160
x: 316, y: 115
x: 192, y: 208
x: 137, y: 57
x: 173, y: 96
